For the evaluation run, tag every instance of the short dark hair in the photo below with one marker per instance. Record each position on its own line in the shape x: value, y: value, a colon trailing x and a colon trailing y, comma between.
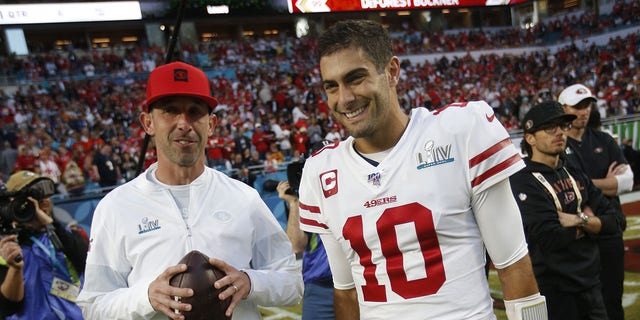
x: 370, y: 36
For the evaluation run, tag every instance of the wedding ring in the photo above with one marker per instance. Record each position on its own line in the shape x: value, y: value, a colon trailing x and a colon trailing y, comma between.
x: 235, y: 288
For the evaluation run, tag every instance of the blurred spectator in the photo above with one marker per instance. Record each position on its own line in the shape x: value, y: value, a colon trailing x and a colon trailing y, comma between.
x: 245, y: 175
x: 261, y: 140
x: 270, y: 163
x: 298, y: 114
x: 48, y: 168
x: 285, y: 143
x: 275, y: 153
x: 334, y: 134
x: 525, y: 106
x: 25, y: 160
x: 300, y: 140
x: 73, y: 178
x: 105, y: 170
x: 8, y: 158
x: 215, y: 145
x: 242, y: 141
x: 128, y: 166
x: 314, y: 131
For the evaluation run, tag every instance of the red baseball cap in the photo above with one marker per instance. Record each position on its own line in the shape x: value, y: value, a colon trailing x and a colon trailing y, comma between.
x: 178, y: 79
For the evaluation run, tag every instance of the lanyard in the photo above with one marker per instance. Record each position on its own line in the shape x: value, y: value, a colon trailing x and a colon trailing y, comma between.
x: 553, y: 194
x: 71, y: 274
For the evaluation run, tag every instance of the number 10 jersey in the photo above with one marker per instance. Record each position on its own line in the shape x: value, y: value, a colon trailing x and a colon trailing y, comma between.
x: 406, y: 225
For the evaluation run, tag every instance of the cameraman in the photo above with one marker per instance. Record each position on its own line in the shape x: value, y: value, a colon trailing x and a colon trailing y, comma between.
x: 317, y: 302
x: 43, y: 262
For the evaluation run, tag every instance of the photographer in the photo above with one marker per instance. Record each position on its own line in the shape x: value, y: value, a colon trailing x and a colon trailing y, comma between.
x: 317, y: 302
x: 43, y: 262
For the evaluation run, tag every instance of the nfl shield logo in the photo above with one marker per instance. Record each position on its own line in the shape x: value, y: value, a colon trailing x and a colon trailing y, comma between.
x: 374, y: 178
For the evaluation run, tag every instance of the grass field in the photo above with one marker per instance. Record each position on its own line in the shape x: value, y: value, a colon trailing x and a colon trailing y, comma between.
x: 631, y: 298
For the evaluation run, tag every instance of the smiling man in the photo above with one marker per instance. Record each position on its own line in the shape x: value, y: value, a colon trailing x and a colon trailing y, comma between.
x: 144, y: 227
x: 406, y: 204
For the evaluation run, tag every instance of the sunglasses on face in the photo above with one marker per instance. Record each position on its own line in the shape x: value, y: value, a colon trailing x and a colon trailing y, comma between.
x: 551, y: 129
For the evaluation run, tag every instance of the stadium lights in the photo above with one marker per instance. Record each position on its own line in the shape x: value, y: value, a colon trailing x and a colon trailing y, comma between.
x: 60, y: 44
x: 207, y: 36
x: 302, y: 27
x: 129, y: 39
x: 218, y: 9
x: 101, y: 40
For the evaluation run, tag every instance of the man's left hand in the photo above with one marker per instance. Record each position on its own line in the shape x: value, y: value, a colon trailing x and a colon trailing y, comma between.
x: 238, y: 282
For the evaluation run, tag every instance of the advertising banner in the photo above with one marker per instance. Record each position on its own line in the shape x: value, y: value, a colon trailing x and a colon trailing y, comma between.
x: 314, y: 6
x: 11, y: 14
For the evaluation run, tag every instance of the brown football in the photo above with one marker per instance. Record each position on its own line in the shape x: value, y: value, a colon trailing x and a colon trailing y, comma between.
x: 200, y: 276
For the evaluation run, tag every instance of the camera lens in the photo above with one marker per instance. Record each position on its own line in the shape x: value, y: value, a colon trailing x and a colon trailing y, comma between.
x: 23, y: 209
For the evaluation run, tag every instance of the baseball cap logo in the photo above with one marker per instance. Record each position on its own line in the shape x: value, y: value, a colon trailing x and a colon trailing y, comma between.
x: 180, y: 75
x: 528, y: 124
x: 581, y: 91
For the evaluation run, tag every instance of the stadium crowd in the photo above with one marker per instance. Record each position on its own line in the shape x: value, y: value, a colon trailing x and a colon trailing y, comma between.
x: 73, y: 102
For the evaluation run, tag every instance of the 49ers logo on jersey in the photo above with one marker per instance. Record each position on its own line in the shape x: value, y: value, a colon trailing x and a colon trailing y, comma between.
x: 329, y: 182
x: 377, y: 202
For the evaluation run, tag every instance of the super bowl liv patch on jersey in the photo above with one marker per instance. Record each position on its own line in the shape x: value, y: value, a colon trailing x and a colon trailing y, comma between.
x: 434, y: 155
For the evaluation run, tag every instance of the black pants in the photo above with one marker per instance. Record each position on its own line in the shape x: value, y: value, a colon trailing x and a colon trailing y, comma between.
x: 612, y: 275
x: 585, y: 305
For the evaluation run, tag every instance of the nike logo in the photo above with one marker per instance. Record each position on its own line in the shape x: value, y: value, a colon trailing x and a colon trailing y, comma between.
x: 490, y: 118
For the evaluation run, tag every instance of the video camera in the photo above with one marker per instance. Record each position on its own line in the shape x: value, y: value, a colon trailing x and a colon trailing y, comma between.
x: 294, y: 169
x: 294, y: 175
x: 294, y: 172
x: 16, y: 206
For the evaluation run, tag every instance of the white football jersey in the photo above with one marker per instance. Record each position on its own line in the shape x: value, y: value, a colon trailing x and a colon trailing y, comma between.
x: 406, y: 225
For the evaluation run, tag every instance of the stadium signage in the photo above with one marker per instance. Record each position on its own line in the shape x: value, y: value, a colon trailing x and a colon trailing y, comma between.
x: 405, y: 4
x: 312, y: 6
x: 14, y: 14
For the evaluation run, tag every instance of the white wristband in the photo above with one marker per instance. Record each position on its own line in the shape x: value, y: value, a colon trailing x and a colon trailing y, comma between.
x: 533, y: 307
x: 625, y: 181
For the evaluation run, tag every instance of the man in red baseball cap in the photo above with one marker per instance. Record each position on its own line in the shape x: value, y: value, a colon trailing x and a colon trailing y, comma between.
x: 179, y: 205
x: 178, y: 79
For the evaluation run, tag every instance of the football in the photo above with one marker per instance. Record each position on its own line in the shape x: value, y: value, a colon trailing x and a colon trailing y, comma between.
x: 200, y: 276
